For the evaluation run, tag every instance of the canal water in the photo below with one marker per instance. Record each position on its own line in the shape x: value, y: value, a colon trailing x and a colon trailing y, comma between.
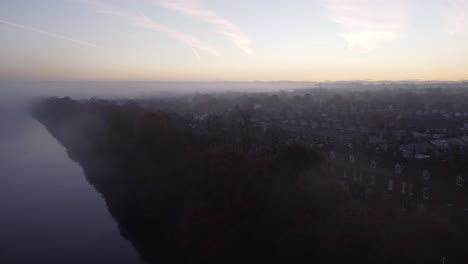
x: 48, y: 212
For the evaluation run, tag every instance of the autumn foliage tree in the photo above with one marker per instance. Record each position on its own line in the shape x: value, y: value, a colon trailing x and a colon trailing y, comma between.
x: 186, y: 195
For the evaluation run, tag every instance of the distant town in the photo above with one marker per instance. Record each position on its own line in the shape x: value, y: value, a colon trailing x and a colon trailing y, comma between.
x: 400, y: 144
x: 375, y: 170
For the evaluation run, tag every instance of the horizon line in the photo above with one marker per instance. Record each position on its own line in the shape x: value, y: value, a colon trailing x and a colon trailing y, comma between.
x: 240, y: 82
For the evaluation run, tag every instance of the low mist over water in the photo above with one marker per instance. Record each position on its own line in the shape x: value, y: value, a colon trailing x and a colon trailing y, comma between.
x: 28, y: 89
x: 48, y: 212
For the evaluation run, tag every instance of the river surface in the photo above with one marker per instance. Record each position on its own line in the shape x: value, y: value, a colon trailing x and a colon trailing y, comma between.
x: 48, y: 212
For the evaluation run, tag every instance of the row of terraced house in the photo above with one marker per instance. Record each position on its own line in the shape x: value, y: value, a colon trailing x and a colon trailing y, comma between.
x: 408, y: 184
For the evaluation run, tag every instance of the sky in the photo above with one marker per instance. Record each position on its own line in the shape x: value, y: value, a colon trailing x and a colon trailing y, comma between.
x: 242, y: 40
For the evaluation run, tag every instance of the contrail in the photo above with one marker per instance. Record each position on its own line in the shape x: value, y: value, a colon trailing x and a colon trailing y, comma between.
x: 225, y: 27
x: 48, y: 33
x: 193, y: 49
x: 196, y: 53
x: 145, y: 17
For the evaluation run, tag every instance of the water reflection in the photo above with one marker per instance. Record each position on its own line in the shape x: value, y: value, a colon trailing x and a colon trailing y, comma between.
x: 48, y: 212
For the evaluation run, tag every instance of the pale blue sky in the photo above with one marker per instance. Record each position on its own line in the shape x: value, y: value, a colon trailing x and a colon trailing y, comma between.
x: 207, y: 40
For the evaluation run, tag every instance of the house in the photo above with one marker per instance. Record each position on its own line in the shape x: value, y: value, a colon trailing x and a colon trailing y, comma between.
x: 404, y: 183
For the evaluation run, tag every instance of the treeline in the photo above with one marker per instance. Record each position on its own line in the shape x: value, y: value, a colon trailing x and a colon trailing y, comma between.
x: 181, y: 197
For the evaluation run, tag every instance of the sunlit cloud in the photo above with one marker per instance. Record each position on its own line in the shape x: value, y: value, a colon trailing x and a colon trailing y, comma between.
x: 455, y: 16
x: 47, y: 33
x: 193, y: 8
x: 367, y: 24
x: 140, y: 20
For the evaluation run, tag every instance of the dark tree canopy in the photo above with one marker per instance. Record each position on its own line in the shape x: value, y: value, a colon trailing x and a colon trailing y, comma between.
x: 186, y: 194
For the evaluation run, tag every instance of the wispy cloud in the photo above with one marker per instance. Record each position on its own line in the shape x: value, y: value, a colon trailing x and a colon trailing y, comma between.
x: 455, y: 16
x: 47, y: 33
x: 368, y: 24
x: 193, y: 8
x: 139, y: 19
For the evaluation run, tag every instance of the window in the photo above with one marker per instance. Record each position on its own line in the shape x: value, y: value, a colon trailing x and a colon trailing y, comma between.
x: 390, y: 185
x: 460, y: 181
x: 373, y: 164
x: 410, y: 191
x: 403, y: 187
x: 426, y: 193
x: 397, y: 169
x: 426, y: 175
x: 372, y: 179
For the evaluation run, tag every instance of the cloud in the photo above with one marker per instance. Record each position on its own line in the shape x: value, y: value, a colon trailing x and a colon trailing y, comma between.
x: 455, y: 16
x: 367, y: 24
x: 50, y: 34
x: 192, y: 8
x: 140, y: 20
